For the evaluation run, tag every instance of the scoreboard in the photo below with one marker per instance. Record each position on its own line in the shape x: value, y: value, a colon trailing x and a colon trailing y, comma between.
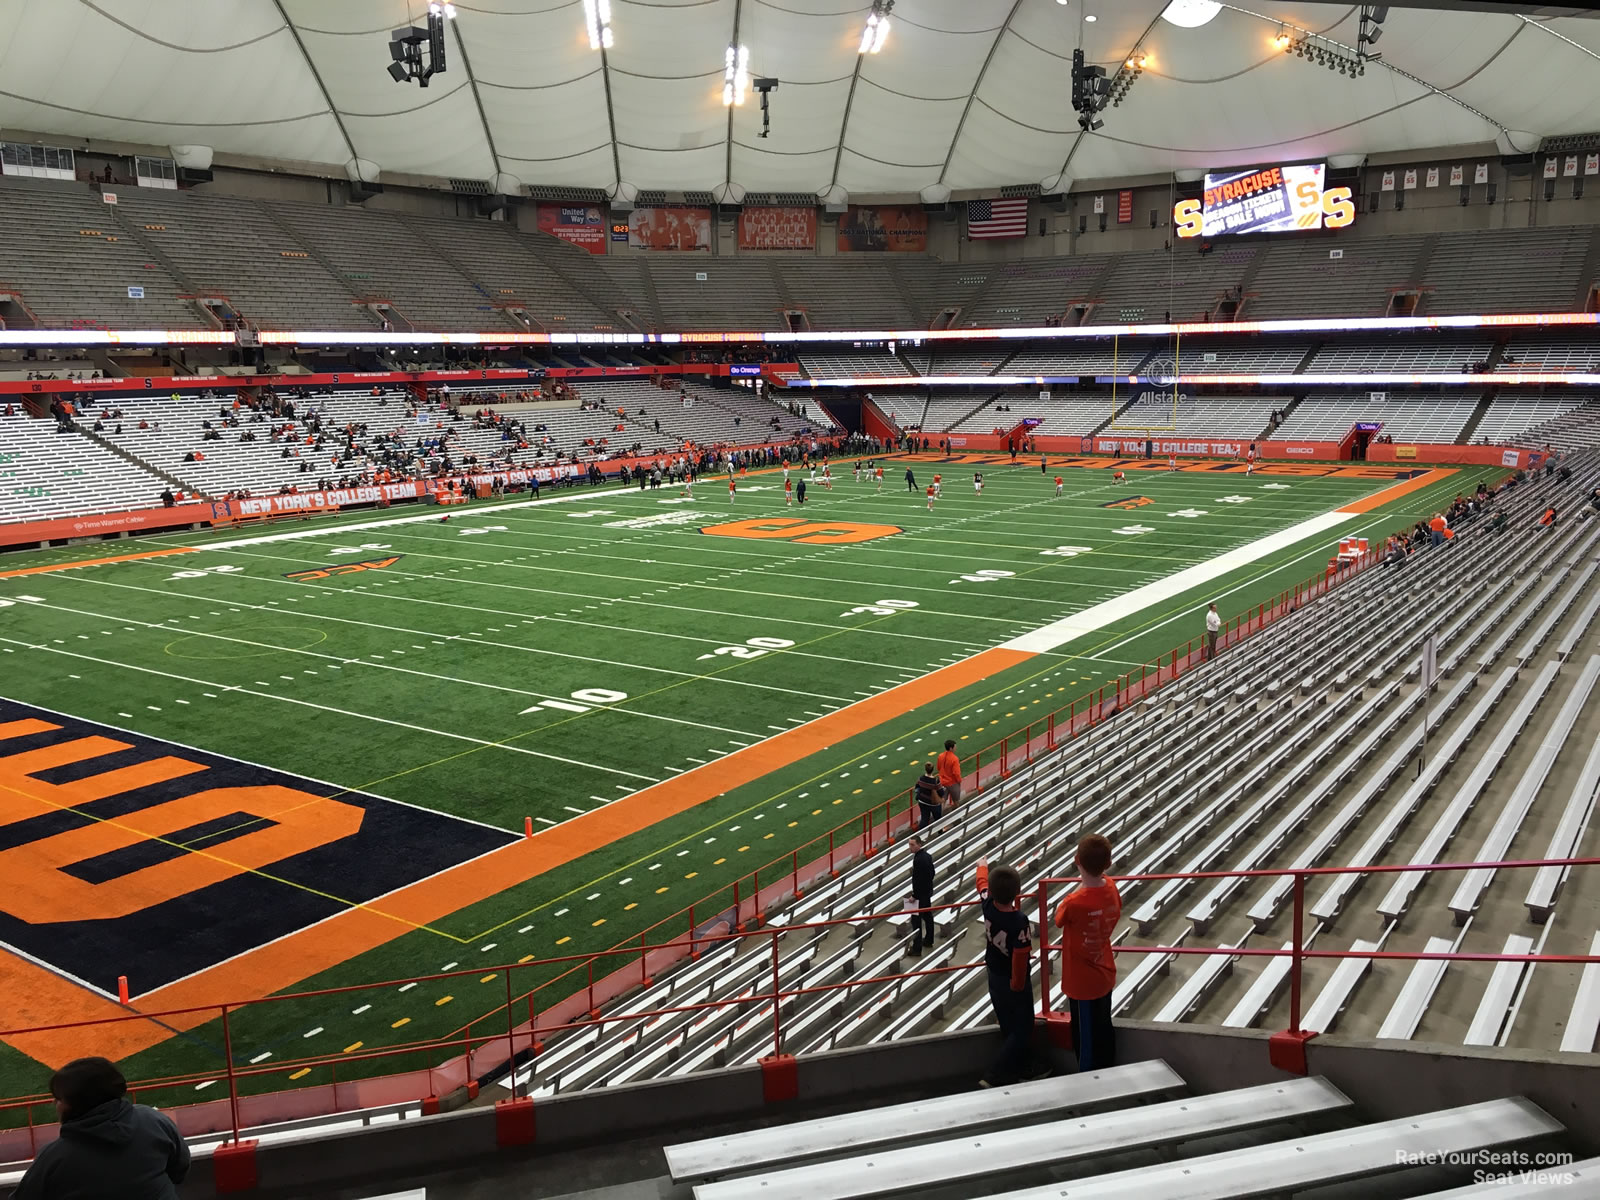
x: 1283, y: 198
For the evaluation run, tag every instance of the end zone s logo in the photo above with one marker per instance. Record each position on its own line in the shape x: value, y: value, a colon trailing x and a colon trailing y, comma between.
x: 120, y: 848
x: 371, y: 564
x: 1129, y: 502
x: 807, y: 533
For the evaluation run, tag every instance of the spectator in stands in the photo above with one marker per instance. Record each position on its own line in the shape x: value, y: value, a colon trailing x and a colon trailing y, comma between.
x: 950, y: 772
x: 922, y: 894
x: 1548, y: 519
x: 168, y: 500
x: 1087, y: 918
x: 1008, y: 946
x: 1213, y: 628
x: 108, y: 1148
x: 1594, y: 500
x: 1436, y: 528
x: 927, y: 792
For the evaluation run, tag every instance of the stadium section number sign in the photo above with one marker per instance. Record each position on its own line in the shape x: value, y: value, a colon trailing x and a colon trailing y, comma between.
x: 1276, y: 199
x: 807, y: 533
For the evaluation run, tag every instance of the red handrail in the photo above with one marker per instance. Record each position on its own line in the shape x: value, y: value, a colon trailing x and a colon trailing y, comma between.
x: 524, y: 1037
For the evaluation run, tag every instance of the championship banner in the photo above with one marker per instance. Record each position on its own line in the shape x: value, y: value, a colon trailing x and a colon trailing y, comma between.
x: 1569, y: 168
x: 670, y: 229
x: 1480, y: 173
x: 1456, y: 176
x: 898, y: 229
x: 1124, y: 207
x: 778, y: 229
x: 1388, y: 181
x: 1551, y: 166
x: 1433, y: 177
x: 1591, y: 164
x: 1411, y: 178
x: 581, y: 224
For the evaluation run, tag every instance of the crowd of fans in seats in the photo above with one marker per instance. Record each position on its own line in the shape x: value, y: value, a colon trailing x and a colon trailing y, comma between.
x: 1442, y: 528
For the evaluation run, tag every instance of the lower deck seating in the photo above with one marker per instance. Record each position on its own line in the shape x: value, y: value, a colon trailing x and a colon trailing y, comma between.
x: 45, y: 474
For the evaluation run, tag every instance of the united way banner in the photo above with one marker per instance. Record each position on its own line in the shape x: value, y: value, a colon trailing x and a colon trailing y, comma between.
x: 581, y: 224
x: 670, y: 228
x: 899, y: 229
x: 778, y: 228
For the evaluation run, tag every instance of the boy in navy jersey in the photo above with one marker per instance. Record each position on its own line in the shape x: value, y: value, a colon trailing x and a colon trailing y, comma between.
x: 1007, y: 948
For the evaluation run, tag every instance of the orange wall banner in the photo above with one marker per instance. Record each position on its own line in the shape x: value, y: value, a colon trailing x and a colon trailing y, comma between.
x: 778, y: 229
x: 1509, y: 457
x: 60, y: 529
x: 319, y: 501
x: 679, y: 228
x: 875, y: 228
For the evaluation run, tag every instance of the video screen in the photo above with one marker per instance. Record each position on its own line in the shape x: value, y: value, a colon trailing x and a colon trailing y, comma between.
x: 1279, y: 199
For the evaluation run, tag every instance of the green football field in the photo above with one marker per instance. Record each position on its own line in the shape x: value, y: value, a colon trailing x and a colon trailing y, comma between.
x: 669, y: 690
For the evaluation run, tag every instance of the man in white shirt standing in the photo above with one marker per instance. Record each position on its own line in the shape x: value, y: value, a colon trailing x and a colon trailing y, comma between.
x: 1213, y: 627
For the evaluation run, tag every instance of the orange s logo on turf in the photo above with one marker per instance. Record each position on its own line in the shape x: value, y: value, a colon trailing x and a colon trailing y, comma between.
x: 372, y: 564
x: 808, y: 533
x: 41, y: 885
x: 1129, y: 502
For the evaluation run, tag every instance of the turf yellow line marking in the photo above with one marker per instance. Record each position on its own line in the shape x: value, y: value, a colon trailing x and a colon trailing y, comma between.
x: 442, y: 1001
x: 400, y: 1022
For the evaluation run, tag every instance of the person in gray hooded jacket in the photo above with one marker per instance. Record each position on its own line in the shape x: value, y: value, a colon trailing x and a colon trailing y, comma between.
x: 109, y: 1148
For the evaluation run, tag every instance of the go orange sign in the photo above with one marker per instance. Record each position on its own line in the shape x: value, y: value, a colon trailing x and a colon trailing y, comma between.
x: 799, y: 530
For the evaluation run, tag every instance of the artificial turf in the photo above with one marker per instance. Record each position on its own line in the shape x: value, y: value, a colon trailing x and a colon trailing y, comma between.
x: 542, y: 662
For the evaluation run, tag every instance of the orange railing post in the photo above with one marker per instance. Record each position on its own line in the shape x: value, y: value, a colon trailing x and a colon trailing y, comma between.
x: 1297, y: 961
x: 233, y: 1079
x: 511, y: 1035
x: 777, y: 1002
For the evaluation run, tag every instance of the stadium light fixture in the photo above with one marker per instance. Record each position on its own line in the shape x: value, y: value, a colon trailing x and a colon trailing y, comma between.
x: 735, y: 75
x: 1282, y: 40
x: 876, y: 31
x: 1372, y: 18
x: 438, y: 9
x: 597, y: 16
x: 1191, y: 14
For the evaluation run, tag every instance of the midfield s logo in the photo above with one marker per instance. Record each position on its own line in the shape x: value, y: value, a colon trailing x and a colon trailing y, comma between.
x: 1129, y: 502
x: 371, y: 564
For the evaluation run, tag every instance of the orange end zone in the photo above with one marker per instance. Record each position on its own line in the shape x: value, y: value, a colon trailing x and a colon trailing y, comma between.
x: 34, y: 996
x: 96, y: 562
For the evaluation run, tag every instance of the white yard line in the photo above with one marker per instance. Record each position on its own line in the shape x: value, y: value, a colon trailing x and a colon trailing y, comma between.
x: 245, y: 691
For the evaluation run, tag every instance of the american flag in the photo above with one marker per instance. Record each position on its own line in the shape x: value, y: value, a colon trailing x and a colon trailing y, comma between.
x: 997, y: 218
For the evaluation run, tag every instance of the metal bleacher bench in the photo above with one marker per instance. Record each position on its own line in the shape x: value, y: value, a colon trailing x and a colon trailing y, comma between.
x: 1284, y: 1167
x: 928, y: 1165
x: 779, y: 1145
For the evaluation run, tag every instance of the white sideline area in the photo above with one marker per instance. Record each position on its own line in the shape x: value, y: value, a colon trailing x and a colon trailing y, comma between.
x: 1059, y: 633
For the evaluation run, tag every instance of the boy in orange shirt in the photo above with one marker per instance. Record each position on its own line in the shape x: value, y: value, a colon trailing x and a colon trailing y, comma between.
x: 950, y: 772
x: 1087, y: 918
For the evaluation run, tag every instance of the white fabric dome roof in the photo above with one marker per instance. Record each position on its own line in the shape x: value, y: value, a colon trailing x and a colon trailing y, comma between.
x: 966, y: 94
